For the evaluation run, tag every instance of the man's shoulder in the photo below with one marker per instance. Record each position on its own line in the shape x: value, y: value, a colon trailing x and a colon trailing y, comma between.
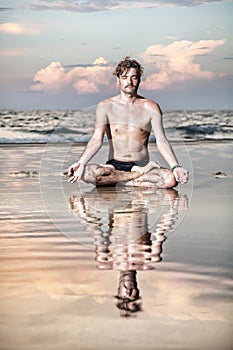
x: 108, y: 101
x: 150, y: 104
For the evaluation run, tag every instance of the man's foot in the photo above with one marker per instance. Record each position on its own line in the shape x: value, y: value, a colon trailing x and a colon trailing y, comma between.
x: 107, y: 166
x: 141, y: 183
x: 145, y: 169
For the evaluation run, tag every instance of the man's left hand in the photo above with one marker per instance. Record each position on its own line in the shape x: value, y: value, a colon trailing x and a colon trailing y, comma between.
x: 181, y: 175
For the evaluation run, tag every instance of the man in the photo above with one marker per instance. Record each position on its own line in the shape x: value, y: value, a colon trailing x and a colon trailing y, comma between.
x: 128, y: 119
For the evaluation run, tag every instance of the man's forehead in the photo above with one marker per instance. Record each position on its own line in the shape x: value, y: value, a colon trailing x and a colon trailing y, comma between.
x: 129, y: 72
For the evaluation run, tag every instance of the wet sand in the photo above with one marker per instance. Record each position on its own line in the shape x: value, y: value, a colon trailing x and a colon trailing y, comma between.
x: 60, y: 266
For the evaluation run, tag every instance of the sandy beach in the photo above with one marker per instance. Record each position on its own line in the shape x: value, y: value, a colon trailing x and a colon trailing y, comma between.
x: 58, y: 279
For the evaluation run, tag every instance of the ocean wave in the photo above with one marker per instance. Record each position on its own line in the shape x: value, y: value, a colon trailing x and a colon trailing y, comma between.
x: 77, y: 126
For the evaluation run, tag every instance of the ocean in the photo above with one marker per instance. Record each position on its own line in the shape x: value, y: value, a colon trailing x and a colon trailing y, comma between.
x: 58, y: 126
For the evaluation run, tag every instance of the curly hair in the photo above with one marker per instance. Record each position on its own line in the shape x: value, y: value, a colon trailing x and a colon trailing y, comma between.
x: 126, y: 64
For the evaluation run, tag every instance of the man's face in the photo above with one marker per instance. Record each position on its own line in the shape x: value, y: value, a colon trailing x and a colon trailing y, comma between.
x: 129, y: 81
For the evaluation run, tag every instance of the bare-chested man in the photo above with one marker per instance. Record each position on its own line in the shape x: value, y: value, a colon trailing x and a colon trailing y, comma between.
x: 128, y: 119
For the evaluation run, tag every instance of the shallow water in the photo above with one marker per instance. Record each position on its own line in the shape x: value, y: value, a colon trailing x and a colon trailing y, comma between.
x: 70, y: 254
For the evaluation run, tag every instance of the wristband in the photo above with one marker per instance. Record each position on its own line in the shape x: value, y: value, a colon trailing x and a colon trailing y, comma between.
x: 176, y: 166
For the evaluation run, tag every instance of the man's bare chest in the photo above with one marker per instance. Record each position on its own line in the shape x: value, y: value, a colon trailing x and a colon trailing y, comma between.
x: 129, y: 121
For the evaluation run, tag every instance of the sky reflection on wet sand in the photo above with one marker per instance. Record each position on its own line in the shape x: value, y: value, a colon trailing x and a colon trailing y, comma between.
x: 54, y: 294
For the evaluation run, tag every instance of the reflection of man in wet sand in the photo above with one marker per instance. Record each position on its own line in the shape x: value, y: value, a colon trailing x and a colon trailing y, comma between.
x: 122, y: 236
x: 120, y: 222
x: 128, y: 119
x: 128, y: 299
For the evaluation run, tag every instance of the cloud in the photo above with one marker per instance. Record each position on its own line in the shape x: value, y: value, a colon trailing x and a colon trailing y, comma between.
x: 14, y: 52
x: 170, y: 37
x: 18, y: 28
x: 175, y: 62
x: 52, y: 77
x: 6, y: 8
x: 100, y: 61
x: 84, y: 79
x: 108, y: 5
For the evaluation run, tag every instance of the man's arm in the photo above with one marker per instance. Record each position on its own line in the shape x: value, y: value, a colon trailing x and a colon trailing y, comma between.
x: 76, y: 170
x: 165, y: 147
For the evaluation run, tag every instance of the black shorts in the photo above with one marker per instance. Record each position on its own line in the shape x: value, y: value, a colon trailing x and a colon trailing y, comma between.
x: 125, y: 166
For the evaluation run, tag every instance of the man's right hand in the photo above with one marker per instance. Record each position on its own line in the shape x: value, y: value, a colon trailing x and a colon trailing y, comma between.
x: 75, y: 172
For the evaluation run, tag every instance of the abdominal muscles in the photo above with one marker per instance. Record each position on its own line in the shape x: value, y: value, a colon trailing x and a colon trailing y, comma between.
x: 128, y: 143
x: 128, y: 150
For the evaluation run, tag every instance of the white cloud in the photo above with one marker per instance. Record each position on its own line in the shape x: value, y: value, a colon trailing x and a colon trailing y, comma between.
x: 170, y: 37
x: 100, y: 60
x: 85, y: 80
x: 18, y: 28
x: 103, y: 5
x: 175, y: 62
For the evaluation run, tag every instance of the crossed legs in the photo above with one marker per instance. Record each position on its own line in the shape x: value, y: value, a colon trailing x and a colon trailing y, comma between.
x: 152, y: 175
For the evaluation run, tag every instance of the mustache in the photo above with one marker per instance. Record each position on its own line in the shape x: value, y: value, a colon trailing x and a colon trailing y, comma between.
x: 130, y: 85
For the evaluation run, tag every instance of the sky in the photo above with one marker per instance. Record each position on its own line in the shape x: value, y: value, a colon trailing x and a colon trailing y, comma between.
x: 61, y: 54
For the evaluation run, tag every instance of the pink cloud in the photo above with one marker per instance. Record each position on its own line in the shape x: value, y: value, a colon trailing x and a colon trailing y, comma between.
x: 85, y: 80
x: 18, y: 28
x: 103, y: 5
x: 175, y: 62
x: 83, y: 86
x: 14, y: 52
x: 13, y: 28
x: 52, y: 77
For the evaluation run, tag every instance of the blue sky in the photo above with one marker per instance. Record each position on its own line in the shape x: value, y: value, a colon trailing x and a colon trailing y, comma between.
x: 61, y: 54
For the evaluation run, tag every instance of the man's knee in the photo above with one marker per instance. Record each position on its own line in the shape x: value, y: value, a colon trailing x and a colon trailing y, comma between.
x: 103, y: 171
x: 89, y: 175
x: 170, y: 180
